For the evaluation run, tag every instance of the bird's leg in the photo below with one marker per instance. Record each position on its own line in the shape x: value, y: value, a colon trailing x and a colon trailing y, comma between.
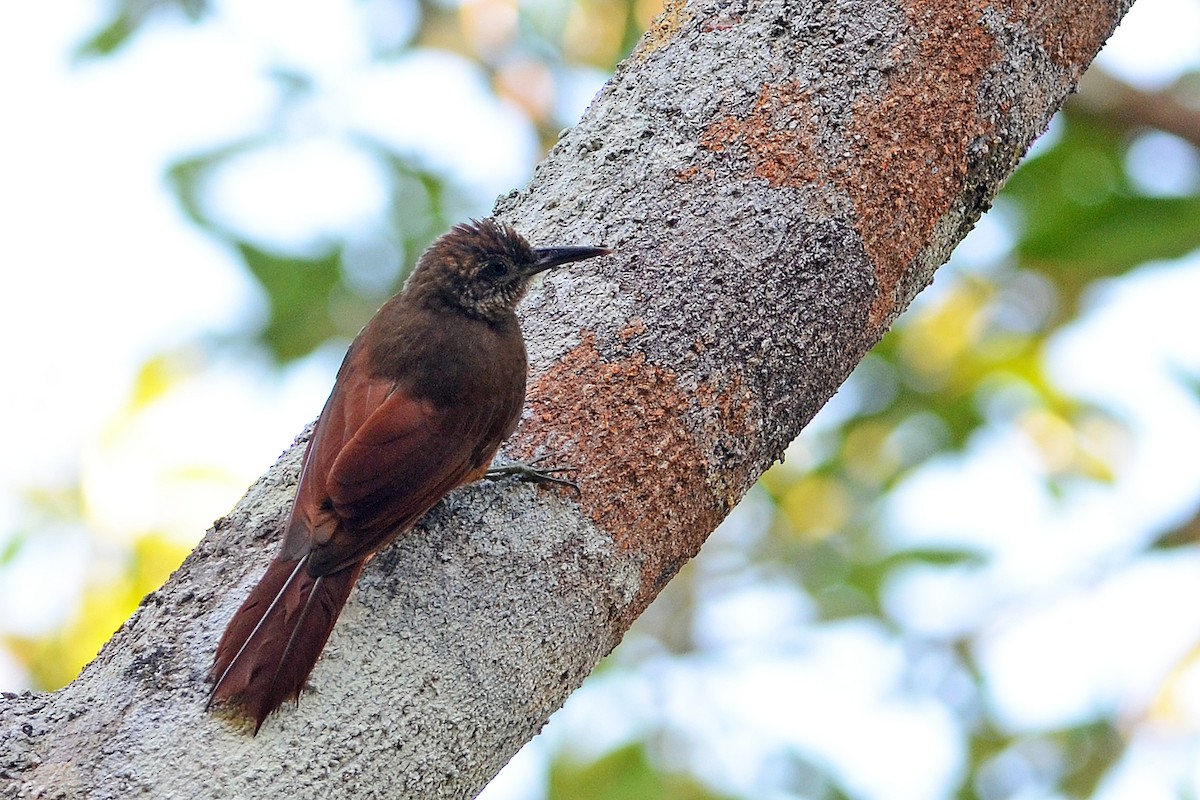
x: 534, y: 474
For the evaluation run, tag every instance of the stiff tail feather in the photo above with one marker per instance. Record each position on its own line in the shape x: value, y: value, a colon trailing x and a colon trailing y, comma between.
x: 275, y: 638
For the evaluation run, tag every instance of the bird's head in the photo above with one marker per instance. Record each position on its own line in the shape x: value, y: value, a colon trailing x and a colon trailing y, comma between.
x: 483, y: 267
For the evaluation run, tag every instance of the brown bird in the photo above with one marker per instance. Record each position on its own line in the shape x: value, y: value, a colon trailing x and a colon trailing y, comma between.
x: 426, y: 394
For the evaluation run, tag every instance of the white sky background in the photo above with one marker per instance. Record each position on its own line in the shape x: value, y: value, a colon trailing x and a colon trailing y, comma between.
x: 104, y: 272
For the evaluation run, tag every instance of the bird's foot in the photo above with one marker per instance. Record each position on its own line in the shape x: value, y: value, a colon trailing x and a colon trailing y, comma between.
x: 532, y: 473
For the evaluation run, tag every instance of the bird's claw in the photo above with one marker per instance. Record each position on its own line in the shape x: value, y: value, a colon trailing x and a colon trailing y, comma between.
x: 534, y: 474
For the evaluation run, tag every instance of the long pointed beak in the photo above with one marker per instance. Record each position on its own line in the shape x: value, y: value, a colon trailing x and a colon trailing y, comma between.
x: 550, y: 257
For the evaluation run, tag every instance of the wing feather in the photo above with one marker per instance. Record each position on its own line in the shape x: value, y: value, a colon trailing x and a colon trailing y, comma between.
x: 380, y: 459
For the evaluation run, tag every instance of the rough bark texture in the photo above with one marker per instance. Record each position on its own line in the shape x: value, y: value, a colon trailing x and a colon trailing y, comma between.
x: 779, y: 180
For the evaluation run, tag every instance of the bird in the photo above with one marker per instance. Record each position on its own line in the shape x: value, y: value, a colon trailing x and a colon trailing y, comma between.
x: 427, y: 392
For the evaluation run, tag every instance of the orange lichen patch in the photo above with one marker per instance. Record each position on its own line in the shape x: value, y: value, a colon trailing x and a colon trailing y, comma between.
x: 675, y: 13
x: 1071, y: 33
x: 908, y: 157
x: 643, y: 478
x: 689, y: 173
x: 903, y: 158
x: 777, y: 136
x: 635, y: 327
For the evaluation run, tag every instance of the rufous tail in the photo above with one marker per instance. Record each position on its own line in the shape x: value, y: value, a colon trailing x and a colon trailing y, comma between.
x: 275, y: 638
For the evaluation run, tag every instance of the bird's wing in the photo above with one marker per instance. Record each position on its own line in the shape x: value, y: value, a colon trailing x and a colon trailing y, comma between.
x: 379, y: 459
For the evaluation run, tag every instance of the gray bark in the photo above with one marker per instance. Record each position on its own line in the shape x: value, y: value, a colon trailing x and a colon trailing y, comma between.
x: 779, y: 180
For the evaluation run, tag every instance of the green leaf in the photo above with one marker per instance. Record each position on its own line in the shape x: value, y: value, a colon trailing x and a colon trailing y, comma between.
x: 1082, y: 219
x: 1114, y: 237
x: 1186, y: 535
x: 299, y: 292
x: 11, y: 548
x: 129, y: 18
x: 623, y: 774
x: 109, y: 38
x: 1089, y: 752
x: 938, y: 557
x: 186, y: 178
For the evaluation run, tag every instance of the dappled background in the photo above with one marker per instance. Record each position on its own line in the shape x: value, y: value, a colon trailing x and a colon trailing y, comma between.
x: 975, y: 574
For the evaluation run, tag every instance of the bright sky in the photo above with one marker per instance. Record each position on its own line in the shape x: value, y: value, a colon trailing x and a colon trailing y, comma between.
x: 105, y: 272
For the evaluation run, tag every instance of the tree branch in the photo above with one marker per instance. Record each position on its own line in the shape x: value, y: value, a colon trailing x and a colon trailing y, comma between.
x: 779, y: 180
x: 1126, y: 108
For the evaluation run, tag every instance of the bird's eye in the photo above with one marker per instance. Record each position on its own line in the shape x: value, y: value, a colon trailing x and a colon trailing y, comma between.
x: 495, y: 269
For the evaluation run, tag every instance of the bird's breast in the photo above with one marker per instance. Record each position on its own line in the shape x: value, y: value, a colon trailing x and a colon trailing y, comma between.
x: 452, y: 360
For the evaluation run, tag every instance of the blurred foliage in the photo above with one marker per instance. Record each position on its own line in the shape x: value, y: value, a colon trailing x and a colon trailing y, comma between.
x: 969, y: 357
x: 1082, y: 219
x: 119, y: 571
x: 128, y: 17
x: 527, y: 52
x: 623, y: 774
x: 54, y: 659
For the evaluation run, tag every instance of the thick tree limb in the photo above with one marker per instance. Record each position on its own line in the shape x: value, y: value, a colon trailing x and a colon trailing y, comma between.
x: 779, y: 180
